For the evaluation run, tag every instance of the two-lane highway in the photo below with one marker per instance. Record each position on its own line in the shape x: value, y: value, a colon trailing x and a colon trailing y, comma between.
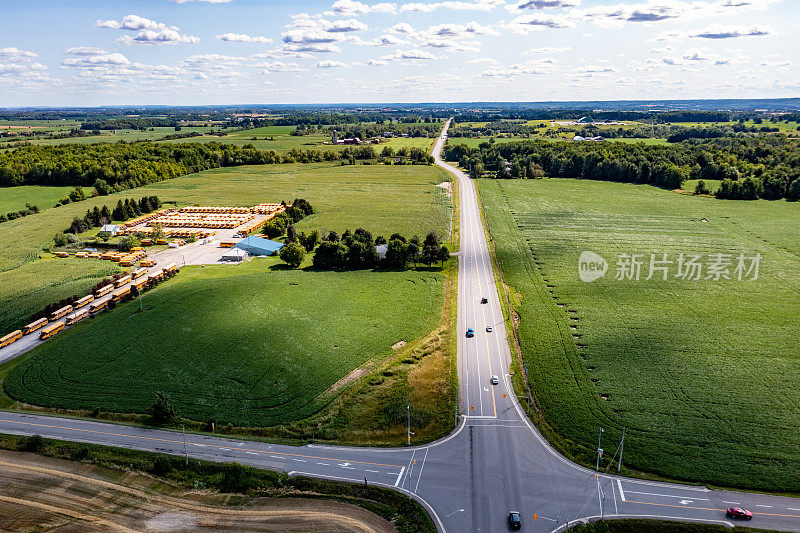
x: 494, y: 462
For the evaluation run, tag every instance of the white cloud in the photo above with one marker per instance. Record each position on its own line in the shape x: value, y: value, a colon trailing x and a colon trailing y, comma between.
x: 475, y: 5
x: 547, y: 50
x: 150, y: 31
x: 312, y: 47
x: 243, y: 38
x: 348, y: 25
x: 460, y: 30
x: 378, y: 62
x: 330, y: 64
x: 84, y: 51
x: 401, y: 27
x: 16, y: 55
x: 280, y: 66
x: 300, y: 36
x: 401, y: 55
x: 525, y: 23
x: 158, y: 37
x: 133, y: 22
x: 350, y: 8
x: 97, y: 60
x: 484, y: 61
x: 543, y: 4
x: 730, y: 32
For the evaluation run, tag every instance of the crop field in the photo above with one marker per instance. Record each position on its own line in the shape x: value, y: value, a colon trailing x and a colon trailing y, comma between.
x: 383, y: 199
x: 15, y: 198
x: 250, y: 345
x: 112, y: 136
x: 702, y: 374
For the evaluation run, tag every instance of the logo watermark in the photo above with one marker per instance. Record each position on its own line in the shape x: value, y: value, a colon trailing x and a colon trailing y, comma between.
x: 665, y: 266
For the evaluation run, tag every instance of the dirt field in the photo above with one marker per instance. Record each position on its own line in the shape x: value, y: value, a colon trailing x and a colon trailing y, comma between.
x: 43, y: 494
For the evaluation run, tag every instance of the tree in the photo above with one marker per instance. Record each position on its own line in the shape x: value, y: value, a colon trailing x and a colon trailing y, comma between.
x: 273, y: 229
x: 104, y: 214
x: 387, y: 151
x: 291, y: 233
x: 396, y: 254
x: 127, y: 243
x: 412, y: 252
x: 793, y: 193
x: 444, y: 254
x: 102, y: 187
x: 332, y: 237
x: 60, y: 239
x: 330, y: 254
x: 119, y: 212
x: 310, y: 241
x: 76, y: 226
x: 292, y: 254
x: 104, y: 235
x: 162, y: 412
x: 431, y: 248
x: 77, y: 194
x: 701, y: 188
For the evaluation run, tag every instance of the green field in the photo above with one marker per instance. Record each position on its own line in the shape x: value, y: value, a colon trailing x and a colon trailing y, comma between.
x: 382, y: 199
x: 702, y: 374
x: 15, y: 198
x: 247, y: 345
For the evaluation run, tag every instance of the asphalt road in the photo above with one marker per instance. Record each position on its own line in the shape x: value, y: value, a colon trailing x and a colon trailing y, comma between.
x: 494, y: 462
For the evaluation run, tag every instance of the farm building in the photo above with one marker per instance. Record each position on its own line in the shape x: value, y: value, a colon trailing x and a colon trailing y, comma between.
x: 257, y: 246
x: 111, y: 228
x: 234, y: 255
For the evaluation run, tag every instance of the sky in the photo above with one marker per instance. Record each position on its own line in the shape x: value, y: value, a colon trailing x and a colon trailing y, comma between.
x: 203, y: 52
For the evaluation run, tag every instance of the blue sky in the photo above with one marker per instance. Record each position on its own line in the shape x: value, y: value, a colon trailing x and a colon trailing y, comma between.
x: 92, y: 52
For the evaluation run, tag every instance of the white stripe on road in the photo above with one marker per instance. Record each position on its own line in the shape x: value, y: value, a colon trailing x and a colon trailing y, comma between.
x: 758, y: 505
x: 373, y: 471
x: 419, y: 476
x: 732, y: 503
x: 400, y: 475
x: 251, y: 453
x: 684, y: 497
x: 621, y: 494
x: 793, y: 509
x: 324, y: 464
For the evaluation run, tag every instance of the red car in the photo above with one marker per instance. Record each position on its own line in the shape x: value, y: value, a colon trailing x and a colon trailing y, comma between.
x: 738, y: 512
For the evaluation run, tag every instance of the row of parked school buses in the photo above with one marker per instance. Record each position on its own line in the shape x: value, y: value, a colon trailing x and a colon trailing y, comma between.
x: 91, y: 304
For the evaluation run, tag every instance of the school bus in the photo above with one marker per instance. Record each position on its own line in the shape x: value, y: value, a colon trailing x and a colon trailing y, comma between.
x: 140, y: 283
x: 161, y: 241
x: 61, y: 312
x: 172, y: 267
x: 119, y: 294
x: 136, y: 249
x: 108, y: 256
x: 126, y: 262
x: 52, y: 329
x: 148, y: 262
x: 81, y: 255
x: 122, y: 281
x: 33, y: 326
x: 147, y: 242
x: 95, y: 255
x: 11, y: 337
x: 138, y: 273
x: 105, y: 289
x: 86, y: 300
x: 226, y: 244
x: 77, y: 316
x: 96, y: 307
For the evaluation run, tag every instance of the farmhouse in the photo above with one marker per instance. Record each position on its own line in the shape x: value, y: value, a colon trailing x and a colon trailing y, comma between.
x: 111, y: 228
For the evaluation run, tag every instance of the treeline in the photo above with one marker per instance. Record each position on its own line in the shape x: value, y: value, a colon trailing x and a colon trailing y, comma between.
x: 357, y: 250
x: 574, y: 114
x: 30, y: 209
x: 764, y: 167
x: 427, y: 128
x: 119, y: 166
x: 128, y: 123
x: 99, y: 216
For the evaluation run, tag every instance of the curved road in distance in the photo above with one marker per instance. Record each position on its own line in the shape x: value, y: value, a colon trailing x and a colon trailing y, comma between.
x: 495, y: 461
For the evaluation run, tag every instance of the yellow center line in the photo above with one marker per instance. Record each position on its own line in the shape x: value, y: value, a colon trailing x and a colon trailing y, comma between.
x: 709, y: 509
x: 483, y: 313
x: 205, y: 445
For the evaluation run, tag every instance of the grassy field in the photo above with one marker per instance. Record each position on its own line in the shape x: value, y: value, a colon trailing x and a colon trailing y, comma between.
x: 702, y: 374
x: 383, y: 199
x: 247, y: 345
x: 15, y: 198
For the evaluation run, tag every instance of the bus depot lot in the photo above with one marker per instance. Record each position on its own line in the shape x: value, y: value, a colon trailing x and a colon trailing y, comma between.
x: 197, y: 253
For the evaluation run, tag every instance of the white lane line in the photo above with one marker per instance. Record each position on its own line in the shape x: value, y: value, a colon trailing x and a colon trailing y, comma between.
x: 195, y: 444
x: 277, y: 457
x: 419, y: 476
x: 324, y: 464
x: 251, y: 453
x: 759, y: 505
x: 621, y: 494
x: 793, y: 509
x: 399, y: 475
x: 226, y: 449
x: 683, y: 497
x: 373, y: 471
x: 614, y: 492
x: 349, y: 467
x: 732, y: 503
x: 299, y: 460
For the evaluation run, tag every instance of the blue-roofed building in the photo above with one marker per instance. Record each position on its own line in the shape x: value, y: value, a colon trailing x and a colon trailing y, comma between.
x: 255, y: 245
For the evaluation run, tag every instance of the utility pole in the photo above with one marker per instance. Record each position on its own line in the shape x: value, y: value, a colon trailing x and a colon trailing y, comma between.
x: 408, y: 408
x: 599, y: 451
x: 621, y: 444
x: 185, y: 453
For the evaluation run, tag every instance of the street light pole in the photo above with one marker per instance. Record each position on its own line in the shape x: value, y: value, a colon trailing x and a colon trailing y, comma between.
x: 408, y: 408
x: 597, y: 464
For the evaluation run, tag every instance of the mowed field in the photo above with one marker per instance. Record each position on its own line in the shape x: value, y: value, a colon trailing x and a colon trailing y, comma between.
x: 245, y: 345
x: 15, y: 198
x: 702, y: 374
x: 382, y: 199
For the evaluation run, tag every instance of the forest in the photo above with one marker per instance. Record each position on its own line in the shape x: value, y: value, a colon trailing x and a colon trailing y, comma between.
x: 115, y: 167
x: 749, y: 167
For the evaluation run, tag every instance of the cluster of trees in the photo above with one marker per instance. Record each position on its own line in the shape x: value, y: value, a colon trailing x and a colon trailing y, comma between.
x: 119, y: 166
x: 283, y: 223
x: 129, y: 123
x: 750, y: 167
x: 357, y: 250
x: 124, y: 210
x: 12, y: 215
x: 367, y: 130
